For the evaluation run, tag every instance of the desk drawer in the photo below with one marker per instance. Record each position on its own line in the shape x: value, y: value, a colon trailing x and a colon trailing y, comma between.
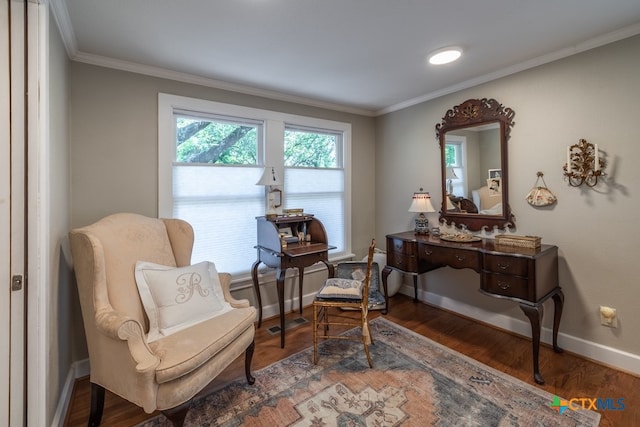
x: 402, y: 246
x: 403, y: 262
x: 506, y: 265
x: 456, y: 258
x: 505, y: 285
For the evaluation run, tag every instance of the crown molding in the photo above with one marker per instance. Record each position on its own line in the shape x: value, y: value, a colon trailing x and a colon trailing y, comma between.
x: 163, y: 73
x: 593, y: 43
x: 61, y: 16
x: 63, y: 21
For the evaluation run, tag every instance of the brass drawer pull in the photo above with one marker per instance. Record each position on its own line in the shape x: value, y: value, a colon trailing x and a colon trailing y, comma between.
x: 504, y: 285
x: 460, y: 257
x: 503, y: 266
x: 428, y: 252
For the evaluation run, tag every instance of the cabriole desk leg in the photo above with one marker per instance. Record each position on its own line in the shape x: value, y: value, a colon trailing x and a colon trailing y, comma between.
x: 280, y: 286
x: 534, y: 313
x: 300, y: 280
x: 385, y: 273
x: 256, y: 287
x: 558, y: 304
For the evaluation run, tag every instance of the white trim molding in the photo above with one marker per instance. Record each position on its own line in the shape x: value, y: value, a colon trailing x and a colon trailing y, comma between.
x: 608, y: 356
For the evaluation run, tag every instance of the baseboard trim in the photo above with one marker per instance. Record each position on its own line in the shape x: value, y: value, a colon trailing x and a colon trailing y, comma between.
x: 608, y: 356
x: 77, y: 370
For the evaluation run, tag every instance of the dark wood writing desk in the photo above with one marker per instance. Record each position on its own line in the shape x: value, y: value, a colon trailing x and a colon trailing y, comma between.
x: 294, y: 255
x: 526, y: 276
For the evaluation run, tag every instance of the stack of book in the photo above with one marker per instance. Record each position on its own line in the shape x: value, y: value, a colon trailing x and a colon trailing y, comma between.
x: 293, y: 212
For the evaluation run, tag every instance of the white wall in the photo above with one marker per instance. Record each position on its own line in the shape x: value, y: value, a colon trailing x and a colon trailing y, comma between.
x: 593, y: 95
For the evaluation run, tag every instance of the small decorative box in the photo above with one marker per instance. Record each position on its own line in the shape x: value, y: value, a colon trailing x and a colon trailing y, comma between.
x: 531, y: 242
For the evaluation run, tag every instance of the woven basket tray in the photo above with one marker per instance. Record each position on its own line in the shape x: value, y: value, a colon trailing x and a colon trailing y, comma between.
x: 519, y: 241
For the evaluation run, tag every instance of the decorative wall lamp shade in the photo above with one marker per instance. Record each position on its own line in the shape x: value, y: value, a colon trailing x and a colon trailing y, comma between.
x: 421, y: 203
x: 270, y: 179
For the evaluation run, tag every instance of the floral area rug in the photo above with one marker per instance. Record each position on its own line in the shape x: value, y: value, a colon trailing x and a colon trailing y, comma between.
x: 414, y: 382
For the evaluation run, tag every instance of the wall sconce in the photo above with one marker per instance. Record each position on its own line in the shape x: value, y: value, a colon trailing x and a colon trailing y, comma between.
x: 270, y: 179
x: 450, y: 175
x: 584, y: 164
x: 421, y: 203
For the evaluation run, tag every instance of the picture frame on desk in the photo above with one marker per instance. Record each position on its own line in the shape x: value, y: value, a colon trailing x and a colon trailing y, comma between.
x: 495, y: 186
x: 495, y: 173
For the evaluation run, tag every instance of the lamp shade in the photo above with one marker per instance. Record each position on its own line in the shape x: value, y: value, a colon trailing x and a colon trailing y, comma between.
x: 450, y: 204
x: 451, y: 174
x: 421, y: 202
x: 269, y: 177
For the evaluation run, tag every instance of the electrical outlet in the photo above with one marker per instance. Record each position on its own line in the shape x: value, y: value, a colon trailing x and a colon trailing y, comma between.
x: 608, y: 317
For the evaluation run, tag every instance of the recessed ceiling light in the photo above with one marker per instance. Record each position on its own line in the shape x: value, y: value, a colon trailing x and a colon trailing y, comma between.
x: 445, y: 55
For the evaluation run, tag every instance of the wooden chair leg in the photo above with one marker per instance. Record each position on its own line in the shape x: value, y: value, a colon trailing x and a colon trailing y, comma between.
x: 366, y: 350
x: 97, y: 405
x: 315, y: 334
x: 366, y: 339
x: 177, y: 415
x: 326, y: 319
x: 248, y: 357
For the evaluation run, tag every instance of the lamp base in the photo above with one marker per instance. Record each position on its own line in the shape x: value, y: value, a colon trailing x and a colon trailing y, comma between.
x: 422, y: 224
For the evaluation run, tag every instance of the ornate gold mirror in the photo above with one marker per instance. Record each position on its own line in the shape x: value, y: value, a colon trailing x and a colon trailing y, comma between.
x: 475, y: 180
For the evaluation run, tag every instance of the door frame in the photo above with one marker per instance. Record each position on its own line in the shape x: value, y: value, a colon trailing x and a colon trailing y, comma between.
x: 5, y: 210
x: 37, y: 218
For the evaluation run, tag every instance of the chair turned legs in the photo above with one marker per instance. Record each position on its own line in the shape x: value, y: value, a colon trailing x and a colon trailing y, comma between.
x: 97, y: 405
x: 315, y: 335
x: 248, y: 357
x: 177, y: 415
x: 367, y: 339
x: 366, y: 350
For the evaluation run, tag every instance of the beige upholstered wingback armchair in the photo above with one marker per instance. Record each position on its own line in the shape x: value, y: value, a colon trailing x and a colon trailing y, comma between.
x: 166, y: 373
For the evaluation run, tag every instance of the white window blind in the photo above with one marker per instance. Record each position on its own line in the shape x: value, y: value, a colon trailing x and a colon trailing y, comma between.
x: 320, y: 192
x: 220, y: 203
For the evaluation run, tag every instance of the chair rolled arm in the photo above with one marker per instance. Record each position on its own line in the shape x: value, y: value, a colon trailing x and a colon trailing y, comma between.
x: 225, y: 282
x: 125, y: 328
x: 131, y: 331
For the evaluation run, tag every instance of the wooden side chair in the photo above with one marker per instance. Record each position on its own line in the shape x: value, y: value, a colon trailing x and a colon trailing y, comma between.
x: 348, y: 294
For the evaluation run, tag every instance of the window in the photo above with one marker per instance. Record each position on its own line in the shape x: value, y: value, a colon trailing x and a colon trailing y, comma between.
x: 211, y: 155
x: 315, y: 176
x: 455, y: 157
x: 216, y: 140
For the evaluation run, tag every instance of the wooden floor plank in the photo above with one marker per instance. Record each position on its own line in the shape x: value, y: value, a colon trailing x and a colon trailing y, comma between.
x: 567, y: 375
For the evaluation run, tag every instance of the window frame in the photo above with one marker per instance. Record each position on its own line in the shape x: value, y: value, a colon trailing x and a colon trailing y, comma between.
x: 272, y: 147
x: 460, y: 168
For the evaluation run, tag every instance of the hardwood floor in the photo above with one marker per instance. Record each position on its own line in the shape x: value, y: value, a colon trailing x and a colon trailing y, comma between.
x: 566, y: 375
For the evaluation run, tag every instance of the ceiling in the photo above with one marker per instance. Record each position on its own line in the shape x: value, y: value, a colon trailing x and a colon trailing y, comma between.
x: 363, y: 56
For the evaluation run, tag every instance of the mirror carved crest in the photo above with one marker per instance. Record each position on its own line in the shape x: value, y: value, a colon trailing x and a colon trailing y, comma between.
x: 473, y: 143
